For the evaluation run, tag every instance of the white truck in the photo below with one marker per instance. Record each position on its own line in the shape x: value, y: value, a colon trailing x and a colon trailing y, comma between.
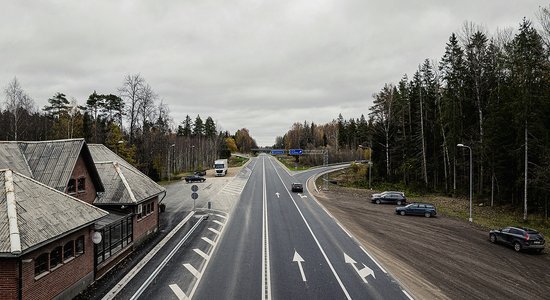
x: 220, y: 167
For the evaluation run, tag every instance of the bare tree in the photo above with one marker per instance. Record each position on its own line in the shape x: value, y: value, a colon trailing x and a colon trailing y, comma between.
x: 544, y: 18
x: 19, y: 104
x: 131, y: 92
x: 146, y: 106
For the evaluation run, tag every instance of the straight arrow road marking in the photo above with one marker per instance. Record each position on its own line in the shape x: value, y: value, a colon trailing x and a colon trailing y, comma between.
x: 192, y: 270
x: 297, y: 258
x: 179, y: 293
x: 277, y: 194
x: 363, y: 273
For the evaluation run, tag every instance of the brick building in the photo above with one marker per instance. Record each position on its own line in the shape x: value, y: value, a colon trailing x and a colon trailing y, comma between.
x: 122, y: 204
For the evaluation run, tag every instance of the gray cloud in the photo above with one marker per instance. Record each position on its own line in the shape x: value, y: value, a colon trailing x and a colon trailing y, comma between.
x: 262, y: 65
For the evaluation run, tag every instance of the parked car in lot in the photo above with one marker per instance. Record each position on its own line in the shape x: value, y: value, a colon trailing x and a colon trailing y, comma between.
x: 297, y: 188
x: 200, y: 172
x: 194, y: 178
x: 420, y: 209
x: 389, y: 197
x: 520, y: 238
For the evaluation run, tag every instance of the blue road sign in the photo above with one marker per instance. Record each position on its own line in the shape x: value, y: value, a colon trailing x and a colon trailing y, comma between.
x: 295, y: 151
x: 277, y: 151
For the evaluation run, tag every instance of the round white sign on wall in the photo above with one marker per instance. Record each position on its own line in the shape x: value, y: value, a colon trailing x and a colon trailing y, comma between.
x: 96, y: 237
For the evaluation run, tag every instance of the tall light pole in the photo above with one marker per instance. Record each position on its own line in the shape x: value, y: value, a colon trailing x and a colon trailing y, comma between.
x: 369, y: 164
x: 471, y: 175
x: 170, y: 161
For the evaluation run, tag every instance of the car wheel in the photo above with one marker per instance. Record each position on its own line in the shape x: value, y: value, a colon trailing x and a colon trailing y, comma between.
x: 517, y: 246
x: 493, y: 238
x: 427, y: 215
x: 402, y: 212
x: 539, y: 251
x: 377, y: 201
x: 399, y: 202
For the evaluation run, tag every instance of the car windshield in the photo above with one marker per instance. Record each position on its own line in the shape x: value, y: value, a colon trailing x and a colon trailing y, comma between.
x: 218, y: 166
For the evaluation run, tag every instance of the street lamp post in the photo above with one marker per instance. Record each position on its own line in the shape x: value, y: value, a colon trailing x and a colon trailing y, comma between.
x: 170, y: 161
x: 369, y: 164
x: 471, y: 176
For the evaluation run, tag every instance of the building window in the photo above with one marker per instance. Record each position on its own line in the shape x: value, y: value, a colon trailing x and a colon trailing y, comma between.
x: 55, y: 257
x: 116, y: 237
x: 41, y: 264
x: 81, y: 186
x: 71, y: 187
x: 79, y: 245
x: 68, y: 250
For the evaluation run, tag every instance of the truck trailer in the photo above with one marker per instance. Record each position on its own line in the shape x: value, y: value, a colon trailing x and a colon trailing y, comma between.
x: 220, y: 167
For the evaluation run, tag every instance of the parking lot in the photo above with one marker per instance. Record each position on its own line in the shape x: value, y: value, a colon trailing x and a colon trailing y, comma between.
x: 439, y: 258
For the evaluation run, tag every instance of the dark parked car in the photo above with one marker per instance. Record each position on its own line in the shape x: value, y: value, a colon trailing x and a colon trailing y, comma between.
x: 297, y: 187
x: 518, y: 237
x: 200, y: 172
x: 419, y: 209
x: 194, y: 178
x: 389, y: 197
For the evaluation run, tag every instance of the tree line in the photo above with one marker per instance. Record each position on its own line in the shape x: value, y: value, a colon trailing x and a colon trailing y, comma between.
x: 488, y: 92
x: 133, y: 122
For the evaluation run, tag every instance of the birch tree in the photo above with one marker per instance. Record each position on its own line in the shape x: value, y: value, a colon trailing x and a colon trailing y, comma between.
x: 19, y: 105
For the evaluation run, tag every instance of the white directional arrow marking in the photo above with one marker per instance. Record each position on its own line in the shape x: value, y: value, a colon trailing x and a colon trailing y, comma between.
x: 277, y: 194
x: 302, y: 196
x: 297, y: 258
x: 363, y: 273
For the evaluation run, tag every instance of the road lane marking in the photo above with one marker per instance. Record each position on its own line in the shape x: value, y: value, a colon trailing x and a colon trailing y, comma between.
x: 316, y: 240
x: 153, y: 275
x: 214, y: 230
x: 192, y: 269
x: 297, y: 258
x: 374, y: 260
x: 218, y: 222
x: 202, y: 254
x: 407, y: 294
x: 179, y: 293
x: 344, y: 229
x: 121, y: 284
x: 209, y: 241
x: 266, y: 280
x: 363, y: 273
x: 223, y: 217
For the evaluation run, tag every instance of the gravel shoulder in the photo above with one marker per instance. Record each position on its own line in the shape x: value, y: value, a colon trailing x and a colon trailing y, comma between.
x: 438, y: 258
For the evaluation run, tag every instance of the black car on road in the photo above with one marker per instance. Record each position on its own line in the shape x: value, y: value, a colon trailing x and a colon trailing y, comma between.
x: 520, y: 238
x: 389, y: 197
x: 194, y: 178
x: 419, y: 209
x: 297, y: 188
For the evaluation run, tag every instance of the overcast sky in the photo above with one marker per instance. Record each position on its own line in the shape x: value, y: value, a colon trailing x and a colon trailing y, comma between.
x: 257, y: 64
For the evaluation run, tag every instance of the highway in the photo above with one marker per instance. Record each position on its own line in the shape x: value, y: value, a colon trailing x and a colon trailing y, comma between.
x: 283, y: 245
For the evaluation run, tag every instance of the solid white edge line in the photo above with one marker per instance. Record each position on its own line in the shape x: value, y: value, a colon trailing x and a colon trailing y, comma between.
x: 315, y: 238
x: 218, y: 222
x: 344, y: 229
x: 218, y: 215
x: 177, y: 290
x: 407, y: 294
x: 122, y: 283
x: 266, y: 277
x: 372, y: 258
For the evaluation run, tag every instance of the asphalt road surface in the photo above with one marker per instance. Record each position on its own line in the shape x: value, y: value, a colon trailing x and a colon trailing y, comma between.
x: 282, y: 245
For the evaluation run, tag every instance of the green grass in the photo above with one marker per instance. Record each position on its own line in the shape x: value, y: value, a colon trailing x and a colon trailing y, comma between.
x: 237, y: 161
x: 290, y: 163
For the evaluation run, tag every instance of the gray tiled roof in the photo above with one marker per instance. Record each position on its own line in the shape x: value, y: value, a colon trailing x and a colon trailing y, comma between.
x: 139, y: 186
x: 43, y: 213
x: 11, y: 157
x: 52, y: 162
